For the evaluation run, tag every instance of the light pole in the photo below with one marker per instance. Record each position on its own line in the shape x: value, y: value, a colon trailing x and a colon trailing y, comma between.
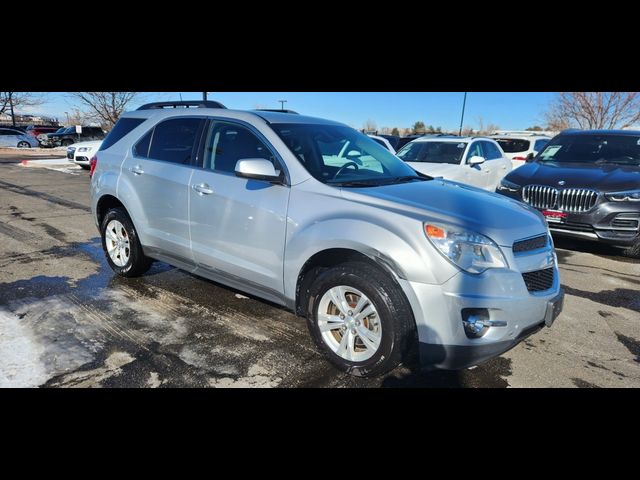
x: 67, y: 114
x: 204, y: 96
x: 13, y: 117
x: 282, y: 102
x: 464, y: 103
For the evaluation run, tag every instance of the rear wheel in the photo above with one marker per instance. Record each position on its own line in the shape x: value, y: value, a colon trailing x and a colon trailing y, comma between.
x: 66, y: 143
x: 121, y: 245
x: 24, y: 144
x: 360, y: 319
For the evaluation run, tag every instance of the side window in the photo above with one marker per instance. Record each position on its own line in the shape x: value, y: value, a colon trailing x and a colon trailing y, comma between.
x: 141, y: 149
x: 475, y: 150
x: 227, y: 143
x: 173, y: 140
x: 491, y: 151
x: 121, y: 128
x: 540, y: 144
x: 4, y: 132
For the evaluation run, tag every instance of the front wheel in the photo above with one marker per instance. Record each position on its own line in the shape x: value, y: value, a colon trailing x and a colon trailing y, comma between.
x: 360, y: 319
x: 24, y: 144
x: 121, y: 245
x: 66, y: 143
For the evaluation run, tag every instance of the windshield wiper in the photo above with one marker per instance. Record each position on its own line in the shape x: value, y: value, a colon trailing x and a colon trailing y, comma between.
x: 406, y: 178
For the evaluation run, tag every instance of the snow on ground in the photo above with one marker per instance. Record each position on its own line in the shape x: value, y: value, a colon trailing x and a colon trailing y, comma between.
x: 20, y: 364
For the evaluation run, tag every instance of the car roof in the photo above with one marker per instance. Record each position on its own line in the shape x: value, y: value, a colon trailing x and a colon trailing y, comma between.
x: 630, y: 133
x: 520, y: 137
x: 245, y: 115
x: 449, y: 138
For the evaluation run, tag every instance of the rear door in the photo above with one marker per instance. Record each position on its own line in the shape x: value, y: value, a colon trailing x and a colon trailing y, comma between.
x: 238, y: 225
x: 159, y: 170
x: 8, y: 138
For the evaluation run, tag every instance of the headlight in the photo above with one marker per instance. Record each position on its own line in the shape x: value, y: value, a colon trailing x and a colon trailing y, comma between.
x: 507, y: 186
x: 628, y: 196
x: 470, y: 251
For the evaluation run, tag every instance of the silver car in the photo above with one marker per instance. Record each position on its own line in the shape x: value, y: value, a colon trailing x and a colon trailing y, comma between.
x: 10, y: 137
x: 382, y: 261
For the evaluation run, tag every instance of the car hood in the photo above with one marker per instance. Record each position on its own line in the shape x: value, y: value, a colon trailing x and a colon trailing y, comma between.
x: 605, y: 177
x: 502, y: 219
x: 446, y: 170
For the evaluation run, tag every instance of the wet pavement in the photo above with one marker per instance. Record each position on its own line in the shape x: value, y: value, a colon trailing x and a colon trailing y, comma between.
x: 67, y: 321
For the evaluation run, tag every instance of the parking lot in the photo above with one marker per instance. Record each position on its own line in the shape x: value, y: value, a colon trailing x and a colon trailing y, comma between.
x: 67, y: 321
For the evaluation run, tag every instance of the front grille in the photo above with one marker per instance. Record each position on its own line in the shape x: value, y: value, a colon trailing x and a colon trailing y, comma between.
x: 578, y: 227
x: 540, y: 280
x: 530, y: 244
x: 572, y: 200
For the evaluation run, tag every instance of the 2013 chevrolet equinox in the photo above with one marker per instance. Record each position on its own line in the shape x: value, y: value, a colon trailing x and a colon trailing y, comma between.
x: 315, y: 216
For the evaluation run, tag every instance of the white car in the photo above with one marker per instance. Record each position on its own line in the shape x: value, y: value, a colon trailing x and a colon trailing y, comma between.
x: 519, y: 146
x: 475, y: 161
x: 81, y: 153
x: 384, y: 142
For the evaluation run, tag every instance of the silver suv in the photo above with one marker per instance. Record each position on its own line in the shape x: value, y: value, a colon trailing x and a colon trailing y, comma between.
x: 310, y: 214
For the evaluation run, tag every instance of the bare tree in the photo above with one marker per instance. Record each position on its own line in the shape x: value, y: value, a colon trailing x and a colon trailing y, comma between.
x: 19, y: 100
x: 105, y: 107
x: 594, y: 110
x: 370, y: 126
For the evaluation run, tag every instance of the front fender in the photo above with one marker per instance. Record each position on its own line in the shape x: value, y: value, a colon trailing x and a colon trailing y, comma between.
x: 378, y: 243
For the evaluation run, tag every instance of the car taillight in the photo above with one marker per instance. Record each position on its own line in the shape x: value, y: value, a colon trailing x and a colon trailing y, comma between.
x: 92, y: 165
x: 519, y: 158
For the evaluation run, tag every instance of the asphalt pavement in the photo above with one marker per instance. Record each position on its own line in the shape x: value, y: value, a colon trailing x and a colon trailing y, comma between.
x: 67, y: 321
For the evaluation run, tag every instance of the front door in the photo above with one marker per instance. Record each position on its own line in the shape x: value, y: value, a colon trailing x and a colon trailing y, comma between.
x: 238, y: 226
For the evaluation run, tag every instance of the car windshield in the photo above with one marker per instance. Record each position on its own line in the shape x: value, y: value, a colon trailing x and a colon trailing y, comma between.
x: 620, y: 149
x: 433, y: 152
x: 513, y: 145
x: 340, y: 155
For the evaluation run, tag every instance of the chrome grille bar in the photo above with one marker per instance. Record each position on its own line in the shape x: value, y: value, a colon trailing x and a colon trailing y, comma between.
x: 572, y: 200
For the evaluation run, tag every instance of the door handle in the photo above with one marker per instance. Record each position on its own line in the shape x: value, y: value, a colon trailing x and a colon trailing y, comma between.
x: 136, y: 170
x: 202, y: 189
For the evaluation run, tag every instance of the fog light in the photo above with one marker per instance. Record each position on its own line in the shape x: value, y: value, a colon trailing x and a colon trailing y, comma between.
x: 475, y: 321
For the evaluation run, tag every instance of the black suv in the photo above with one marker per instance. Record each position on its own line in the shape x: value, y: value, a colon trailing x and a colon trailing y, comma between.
x: 69, y: 136
x: 587, y: 185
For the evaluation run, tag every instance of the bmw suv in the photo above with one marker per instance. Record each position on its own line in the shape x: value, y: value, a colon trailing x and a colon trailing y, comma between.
x: 587, y: 185
x: 380, y: 260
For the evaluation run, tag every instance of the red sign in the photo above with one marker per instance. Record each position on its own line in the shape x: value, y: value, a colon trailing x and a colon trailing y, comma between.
x: 554, y: 214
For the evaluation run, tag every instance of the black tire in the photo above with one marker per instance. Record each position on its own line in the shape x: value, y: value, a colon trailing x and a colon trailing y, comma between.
x: 85, y: 167
x: 633, y: 251
x: 66, y: 143
x: 138, y: 263
x: 24, y: 144
x: 396, y: 316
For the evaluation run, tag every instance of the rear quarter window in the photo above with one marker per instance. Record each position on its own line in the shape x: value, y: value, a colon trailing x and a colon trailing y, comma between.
x: 121, y: 128
x: 513, y: 145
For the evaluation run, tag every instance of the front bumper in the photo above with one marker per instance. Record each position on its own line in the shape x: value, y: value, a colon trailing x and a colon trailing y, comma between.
x: 515, y: 311
x: 614, y: 223
x: 457, y: 357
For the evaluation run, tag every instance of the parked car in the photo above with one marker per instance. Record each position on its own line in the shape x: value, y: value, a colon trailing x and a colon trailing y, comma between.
x: 520, y: 146
x: 475, y: 161
x: 383, y: 141
x: 68, y: 136
x: 379, y: 259
x: 586, y: 184
x: 10, y: 137
x: 82, y: 152
x: 35, y: 130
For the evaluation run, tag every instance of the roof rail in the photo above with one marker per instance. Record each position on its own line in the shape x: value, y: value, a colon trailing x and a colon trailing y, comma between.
x: 277, y: 110
x: 186, y: 104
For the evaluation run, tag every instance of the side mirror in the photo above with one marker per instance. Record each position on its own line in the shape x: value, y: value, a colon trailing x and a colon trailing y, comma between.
x: 354, y: 153
x: 476, y: 160
x: 529, y: 158
x: 257, y: 169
